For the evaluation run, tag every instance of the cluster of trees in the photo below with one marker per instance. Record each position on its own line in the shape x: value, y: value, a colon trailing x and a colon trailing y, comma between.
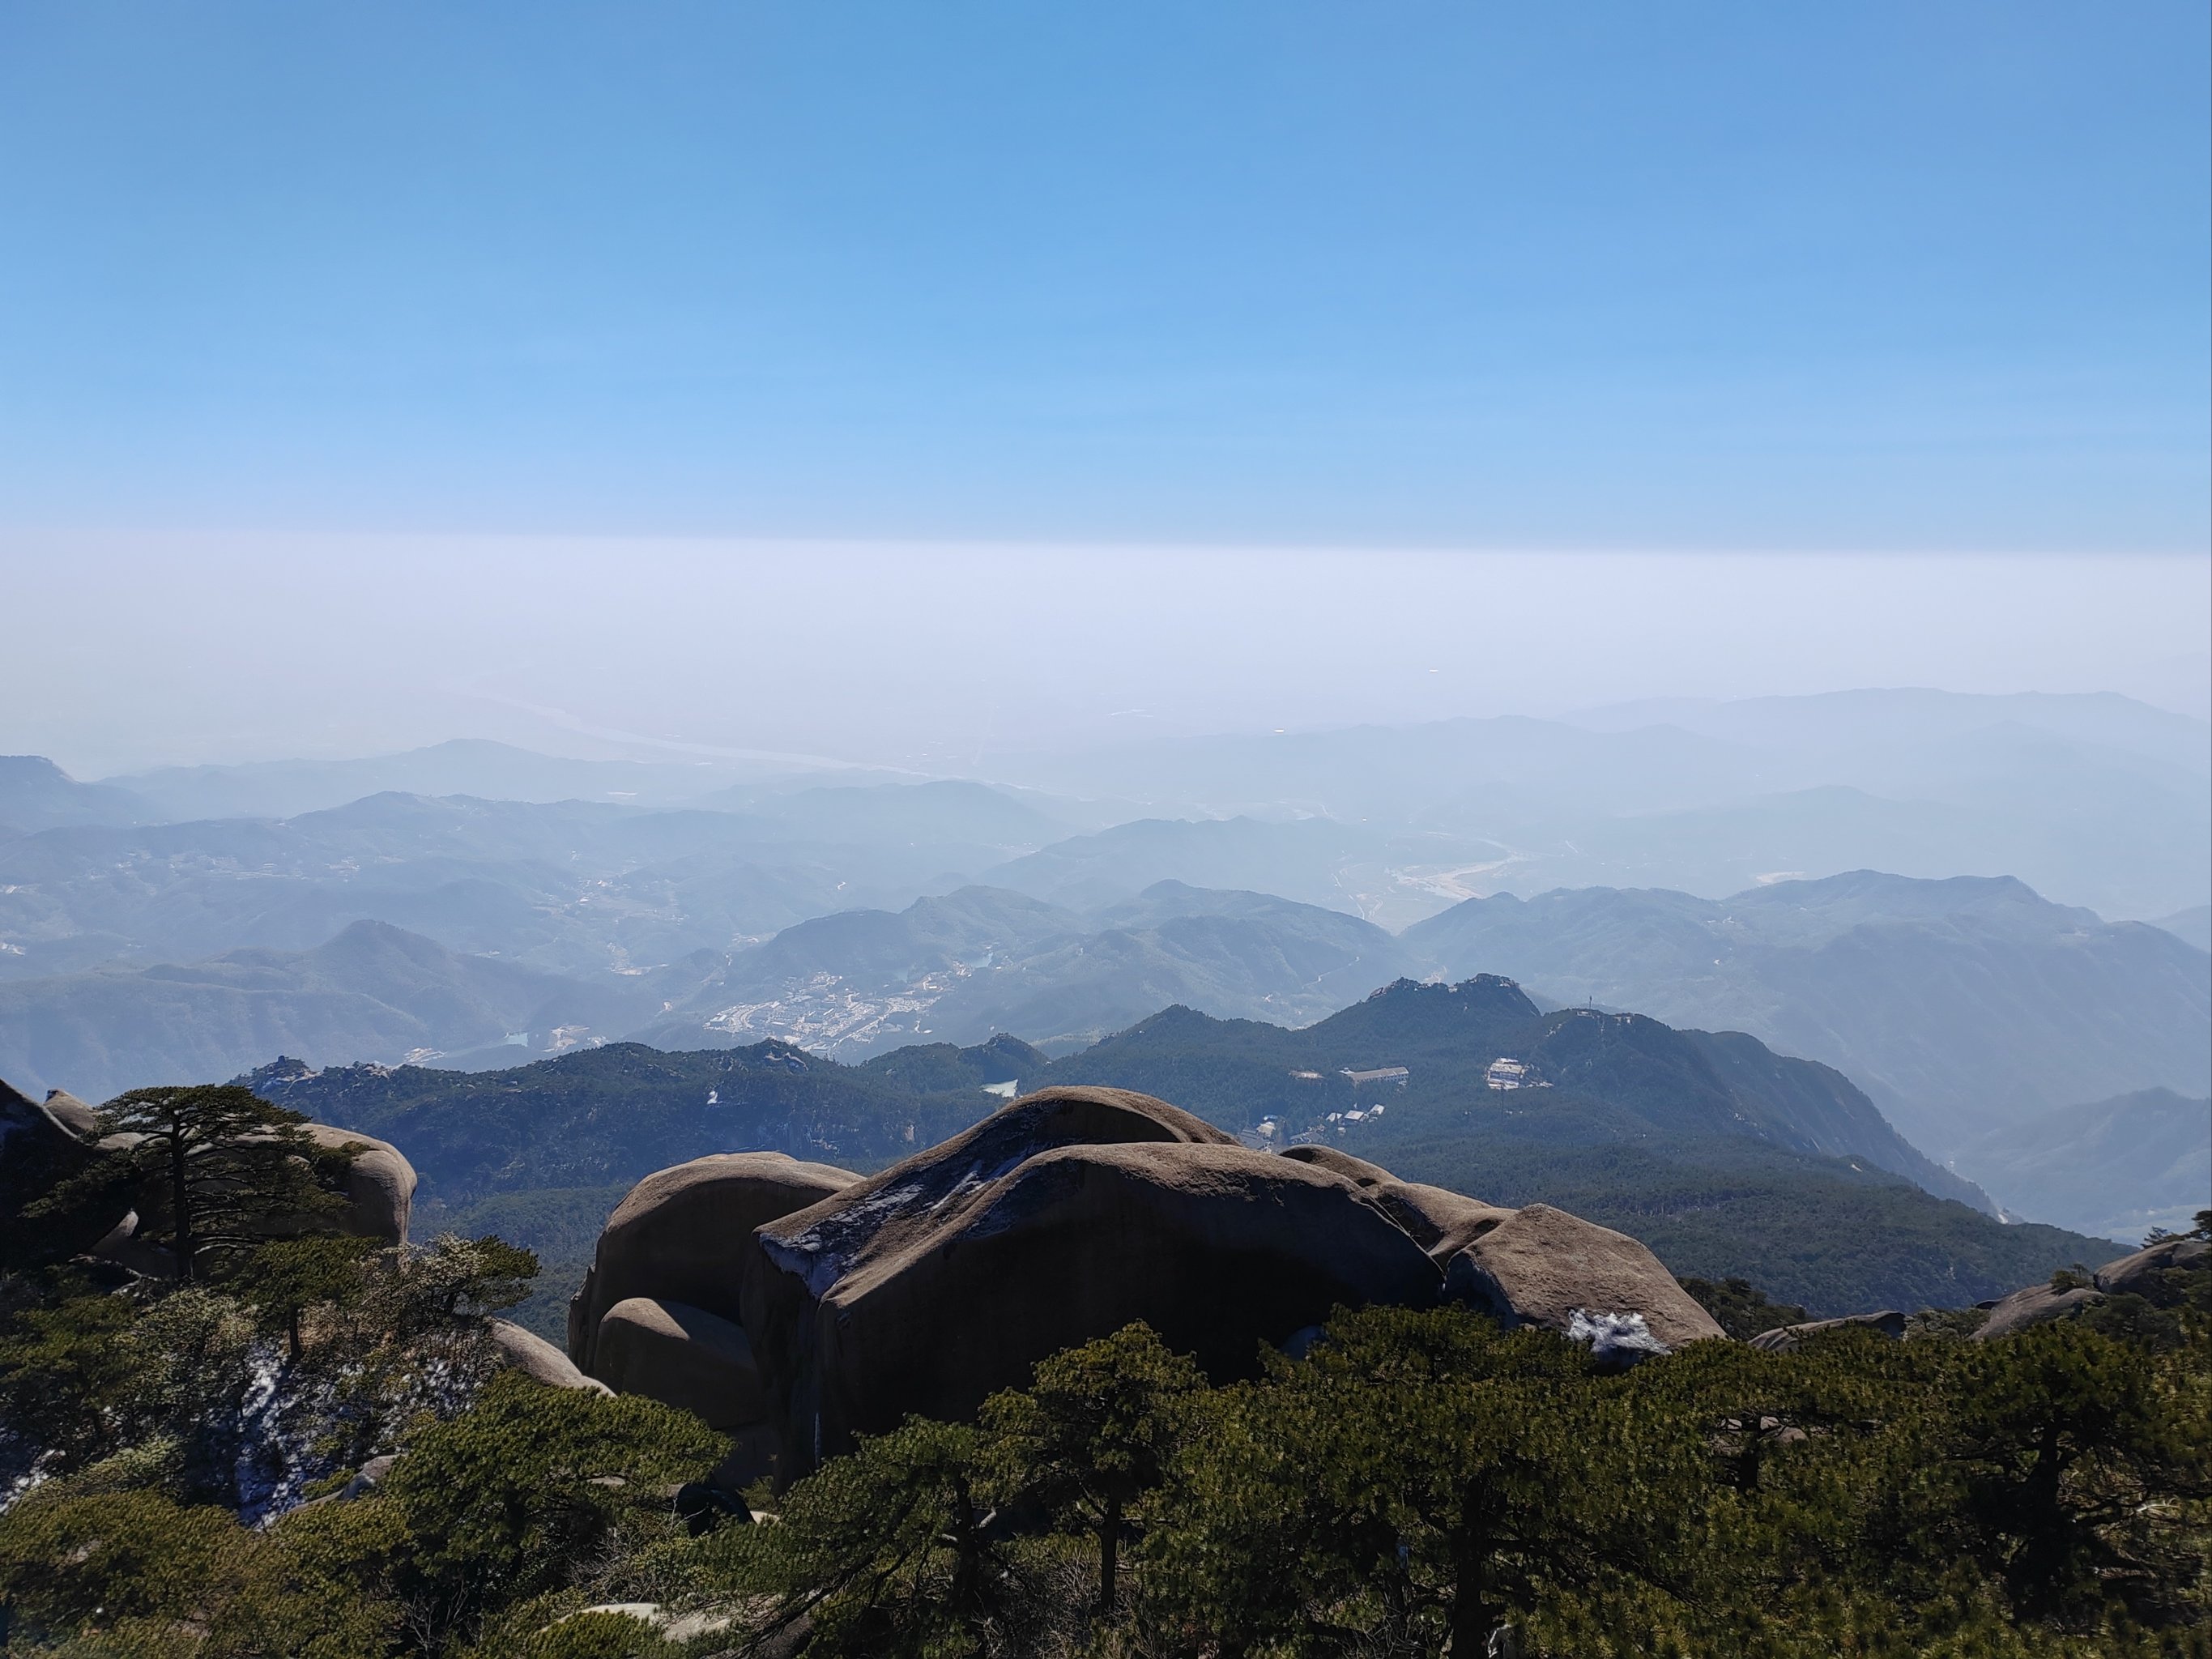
x: 305, y: 1447
x: 1421, y: 1483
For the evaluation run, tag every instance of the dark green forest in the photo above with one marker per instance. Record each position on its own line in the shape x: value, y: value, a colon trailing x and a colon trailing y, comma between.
x: 261, y: 1438
x: 1420, y: 1484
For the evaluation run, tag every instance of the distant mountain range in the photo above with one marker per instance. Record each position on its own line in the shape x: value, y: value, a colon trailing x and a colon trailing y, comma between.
x: 982, y: 960
x: 1960, y: 1005
x: 37, y: 794
x: 489, y: 771
x: 373, y: 992
x: 2193, y: 925
x: 2097, y: 800
x: 2116, y: 1168
x: 1731, y: 1158
x: 570, y: 887
x: 193, y: 921
x: 2093, y: 800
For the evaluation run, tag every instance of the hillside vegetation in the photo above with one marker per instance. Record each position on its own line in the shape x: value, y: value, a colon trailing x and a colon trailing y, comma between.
x: 1727, y: 1159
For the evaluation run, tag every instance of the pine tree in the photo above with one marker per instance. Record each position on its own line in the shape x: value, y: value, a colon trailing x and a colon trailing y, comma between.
x: 216, y: 1169
x: 1094, y: 1435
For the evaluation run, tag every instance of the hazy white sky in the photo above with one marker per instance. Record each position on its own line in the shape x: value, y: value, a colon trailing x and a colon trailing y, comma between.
x: 125, y: 650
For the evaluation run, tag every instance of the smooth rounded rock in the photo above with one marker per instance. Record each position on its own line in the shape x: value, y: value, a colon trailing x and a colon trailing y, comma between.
x: 1441, y: 1221
x: 680, y: 1356
x: 1784, y: 1338
x: 949, y: 1276
x: 680, y: 1235
x: 1543, y: 1267
x: 80, y: 1119
x: 534, y: 1357
x: 380, y: 1184
x: 2143, y: 1272
x: 2036, y: 1305
x: 43, y: 1144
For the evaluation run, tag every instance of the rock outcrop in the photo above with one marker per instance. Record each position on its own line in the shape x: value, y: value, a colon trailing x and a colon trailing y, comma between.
x: 2143, y: 1272
x: 682, y: 1235
x: 949, y: 1276
x: 81, y: 1119
x: 1784, y: 1338
x: 380, y: 1184
x: 2037, y: 1304
x: 1543, y: 1267
x: 798, y: 1306
x: 534, y: 1357
x: 683, y: 1357
x: 41, y: 1145
x: 1442, y: 1222
x: 925, y: 1294
x: 2146, y: 1272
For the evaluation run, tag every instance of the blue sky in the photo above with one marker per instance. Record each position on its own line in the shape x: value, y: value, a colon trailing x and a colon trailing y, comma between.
x: 1924, y: 275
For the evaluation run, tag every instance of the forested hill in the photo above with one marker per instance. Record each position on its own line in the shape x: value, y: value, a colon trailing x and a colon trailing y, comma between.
x: 1586, y: 1075
x: 1726, y: 1157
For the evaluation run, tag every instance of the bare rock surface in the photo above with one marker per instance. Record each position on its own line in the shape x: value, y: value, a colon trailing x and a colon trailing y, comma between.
x: 380, y: 1184
x: 81, y: 1119
x: 2036, y: 1305
x: 1783, y: 1339
x: 1543, y: 1267
x: 42, y: 1143
x: 2139, y: 1275
x: 1441, y: 1221
x: 1059, y: 1218
x: 682, y: 1235
x: 683, y: 1357
x: 534, y: 1357
x: 2143, y: 1272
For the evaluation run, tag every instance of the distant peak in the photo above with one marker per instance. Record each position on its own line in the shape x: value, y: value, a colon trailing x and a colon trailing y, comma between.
x: 33, y: 766
x: 1494, y: 992
x: 278, y: 1073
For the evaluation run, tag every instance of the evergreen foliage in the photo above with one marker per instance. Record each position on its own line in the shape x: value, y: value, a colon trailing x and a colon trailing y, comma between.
x: 1741, y: 1308
x: 1418, y: 1483
x: 1094, y: 1434
x: 213, y: 1170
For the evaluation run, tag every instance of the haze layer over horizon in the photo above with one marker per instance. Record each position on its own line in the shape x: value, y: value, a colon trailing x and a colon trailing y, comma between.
x: 131, y: 651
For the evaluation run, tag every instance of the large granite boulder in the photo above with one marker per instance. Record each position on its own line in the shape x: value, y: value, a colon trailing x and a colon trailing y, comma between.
x: 1543, y: 1267
x: 2144, y: 1273
x: 380, y: 1184
x: 43, y: 1143
x: 1441, y: 1221
x: 1059, y: 1219
x: 80, y: 1119
x: 680, y: 1356
x: 682, y: 1236
x: 1785, y: 1339
x: 2141, y: 1273
x: 534, y: 1357
x: 2036, y: 1305
x: 40, y: 1143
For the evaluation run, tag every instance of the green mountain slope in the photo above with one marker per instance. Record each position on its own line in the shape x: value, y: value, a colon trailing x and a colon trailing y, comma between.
x: 1712, y: 1153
